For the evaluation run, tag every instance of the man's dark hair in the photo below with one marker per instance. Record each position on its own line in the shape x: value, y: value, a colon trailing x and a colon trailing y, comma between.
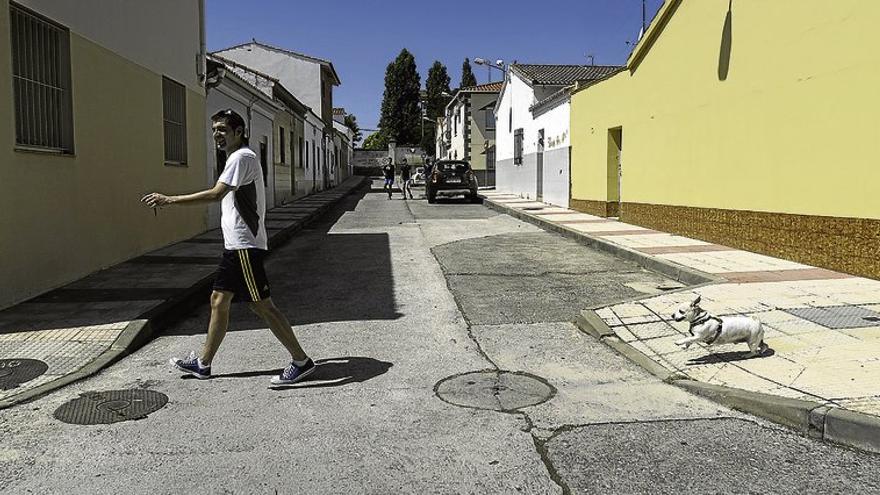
x: 233, y: 120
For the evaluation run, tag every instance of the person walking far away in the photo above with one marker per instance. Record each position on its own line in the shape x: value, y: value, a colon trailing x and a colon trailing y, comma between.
x: 241, y: 273
x: 388, y: 171
x: 406, y: 179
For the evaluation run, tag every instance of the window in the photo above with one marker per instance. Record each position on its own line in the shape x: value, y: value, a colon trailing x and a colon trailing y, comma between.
x: 292, y: 148
x: 510, y: 120
x: 281, y: 146
x: 490, y: 118
x: 517, y: 146
x: 301, y: 163
x: 41, y: 81
x: 307, y: 155
x: 264, y: 152
x: 490, y: 158
x: 174, y: 115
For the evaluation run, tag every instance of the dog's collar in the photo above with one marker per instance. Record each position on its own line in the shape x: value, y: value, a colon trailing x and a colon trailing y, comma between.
x: 702, y: 318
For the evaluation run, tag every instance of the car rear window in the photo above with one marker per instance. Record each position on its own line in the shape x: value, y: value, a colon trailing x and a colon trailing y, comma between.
x: 453, y: 167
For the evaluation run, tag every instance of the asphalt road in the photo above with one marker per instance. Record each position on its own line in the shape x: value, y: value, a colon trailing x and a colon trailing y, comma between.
x: 401, y: 303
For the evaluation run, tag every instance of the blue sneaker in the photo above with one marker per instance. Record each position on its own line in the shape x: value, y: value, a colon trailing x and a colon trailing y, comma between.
x: 192, y: 365
x: 293, y: 373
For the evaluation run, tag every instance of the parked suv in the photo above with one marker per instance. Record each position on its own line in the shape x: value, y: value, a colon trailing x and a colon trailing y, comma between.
x: 451, y: 177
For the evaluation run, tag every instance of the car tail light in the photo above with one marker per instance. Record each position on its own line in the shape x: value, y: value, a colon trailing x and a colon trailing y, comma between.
x: 435, y: 177
x: 469, y: 175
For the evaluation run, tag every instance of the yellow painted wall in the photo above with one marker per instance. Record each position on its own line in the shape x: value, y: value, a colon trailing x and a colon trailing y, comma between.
x: 792, y: 129
x: 63, y: 217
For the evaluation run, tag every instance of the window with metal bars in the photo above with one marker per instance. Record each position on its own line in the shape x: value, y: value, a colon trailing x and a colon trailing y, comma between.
x: 41, y: 81
x: 518, y: 147
x: 174, y: 116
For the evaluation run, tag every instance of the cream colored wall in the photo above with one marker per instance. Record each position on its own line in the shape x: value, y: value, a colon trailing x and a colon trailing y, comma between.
x: 283, y: 171
x: 63, y: 217
x: 792, y: 129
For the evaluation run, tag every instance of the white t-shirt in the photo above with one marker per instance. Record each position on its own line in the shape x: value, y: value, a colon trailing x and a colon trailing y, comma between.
x: 244, y: 208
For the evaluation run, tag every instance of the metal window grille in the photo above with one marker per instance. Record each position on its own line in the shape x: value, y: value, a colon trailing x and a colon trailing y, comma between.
x: 174, y: 116
x: 517, y: 147
x: 490, y: 159
x: 490, y: 118
x: 41, y: 81
x: 301, y: 161
x: 281, y: 147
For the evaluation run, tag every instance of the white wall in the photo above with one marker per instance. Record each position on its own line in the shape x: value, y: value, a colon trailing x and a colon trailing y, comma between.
x: 519, y: 96
x: 300, y: 77
x: 456, y: 148
x: 556, y: 122
x: 161, y: 35
x: 231, y: 95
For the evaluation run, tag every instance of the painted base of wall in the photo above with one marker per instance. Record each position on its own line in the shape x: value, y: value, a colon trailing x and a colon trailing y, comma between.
x: 848, y: 245
x: 593, y: 207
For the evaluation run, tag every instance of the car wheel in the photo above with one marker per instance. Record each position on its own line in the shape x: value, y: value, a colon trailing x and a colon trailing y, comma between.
x: 432, y: 197
x: 474, y: 197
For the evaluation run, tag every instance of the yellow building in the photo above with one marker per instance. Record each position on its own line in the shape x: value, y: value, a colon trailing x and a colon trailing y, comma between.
x: 93, y: 115
x: 747, y: 123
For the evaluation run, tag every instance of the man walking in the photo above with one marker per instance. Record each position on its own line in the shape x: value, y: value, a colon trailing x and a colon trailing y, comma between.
x: 241, y: 273
x: 406, y: 179
x: 388, y: 172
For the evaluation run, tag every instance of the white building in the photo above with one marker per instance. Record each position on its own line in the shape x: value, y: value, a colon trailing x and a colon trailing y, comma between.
x: 311, y: 80
x: 227, y: 90
x: 533, y: 121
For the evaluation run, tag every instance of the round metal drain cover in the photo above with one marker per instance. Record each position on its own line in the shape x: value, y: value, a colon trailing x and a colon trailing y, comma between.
x: 494, y: 390
x: 14, y: 372
x: 112, y: 406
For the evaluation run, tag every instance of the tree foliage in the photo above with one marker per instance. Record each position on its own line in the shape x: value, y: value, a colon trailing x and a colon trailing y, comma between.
x: 401, y: 116
x: 467, y: 75
x: 436, y: 84
x: 376, y: 141
x: 351, y: 122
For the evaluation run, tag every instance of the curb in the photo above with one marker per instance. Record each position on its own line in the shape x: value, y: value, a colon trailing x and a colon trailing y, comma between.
x: 809, y: 418
x: 672, y: 270
x: 140, y: 331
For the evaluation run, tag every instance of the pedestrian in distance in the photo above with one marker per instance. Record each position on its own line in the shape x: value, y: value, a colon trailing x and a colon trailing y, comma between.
x: 388, y: 172
x: 241, y: 274
x: 406, y: 179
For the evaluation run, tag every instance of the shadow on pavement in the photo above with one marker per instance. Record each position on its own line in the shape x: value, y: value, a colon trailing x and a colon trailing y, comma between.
x: 727, y: 357
x: 336, y: 372
x: 318, y: 277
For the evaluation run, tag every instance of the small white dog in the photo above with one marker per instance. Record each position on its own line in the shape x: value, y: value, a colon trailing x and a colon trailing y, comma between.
x: 712, y: 330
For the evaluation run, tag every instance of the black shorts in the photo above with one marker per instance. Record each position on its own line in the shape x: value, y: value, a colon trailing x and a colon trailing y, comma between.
x: 241, y: 272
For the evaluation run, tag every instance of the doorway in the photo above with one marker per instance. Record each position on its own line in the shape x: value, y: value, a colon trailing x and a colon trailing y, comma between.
x: 539, y: 193
x: 615, y: 170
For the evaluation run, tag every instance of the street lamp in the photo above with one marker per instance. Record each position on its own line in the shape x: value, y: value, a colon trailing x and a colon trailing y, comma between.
x: 499, y: 64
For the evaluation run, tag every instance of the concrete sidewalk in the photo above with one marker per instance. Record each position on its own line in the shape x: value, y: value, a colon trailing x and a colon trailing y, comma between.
x: 80, y: 328
x: 822, y: 374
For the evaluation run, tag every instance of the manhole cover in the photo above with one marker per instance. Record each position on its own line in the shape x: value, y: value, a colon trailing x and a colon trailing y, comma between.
x: 112, y: 406
x: 837, y: 316
x: 14, y: 372
x: 494, y: 390
x: 533, y: 208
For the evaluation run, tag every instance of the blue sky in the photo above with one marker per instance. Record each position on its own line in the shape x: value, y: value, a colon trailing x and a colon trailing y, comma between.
x: 361, y: 37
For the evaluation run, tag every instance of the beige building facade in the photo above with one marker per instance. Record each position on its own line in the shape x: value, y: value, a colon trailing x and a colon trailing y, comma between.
x: 91, y: 119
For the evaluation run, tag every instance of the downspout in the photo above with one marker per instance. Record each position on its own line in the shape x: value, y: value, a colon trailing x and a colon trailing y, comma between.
x: 202, y: 66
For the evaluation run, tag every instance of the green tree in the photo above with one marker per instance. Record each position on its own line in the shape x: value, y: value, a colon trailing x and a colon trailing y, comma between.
x: 436, y: 84
x: 376, y: 141
x: 401, y: 115
x: 351, y: 122
x: 467, y: 75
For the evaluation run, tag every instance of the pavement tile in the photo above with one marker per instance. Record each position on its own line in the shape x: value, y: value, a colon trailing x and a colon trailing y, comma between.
x: 609, y: 317
x: 735, y: 377
x: 864, y: 333
x: 624, y: 335
x: 605, y: 227
x: 774, y: 367
x: 648, y: 331
x: 866, y: 405
x: 627, y: 310
x: 839, y: 377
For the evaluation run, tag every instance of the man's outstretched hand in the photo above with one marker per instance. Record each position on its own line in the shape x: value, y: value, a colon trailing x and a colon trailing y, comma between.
x: 155, y: 200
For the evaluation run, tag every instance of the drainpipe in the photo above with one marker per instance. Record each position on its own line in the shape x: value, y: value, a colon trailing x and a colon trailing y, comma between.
x: 201, y: 68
